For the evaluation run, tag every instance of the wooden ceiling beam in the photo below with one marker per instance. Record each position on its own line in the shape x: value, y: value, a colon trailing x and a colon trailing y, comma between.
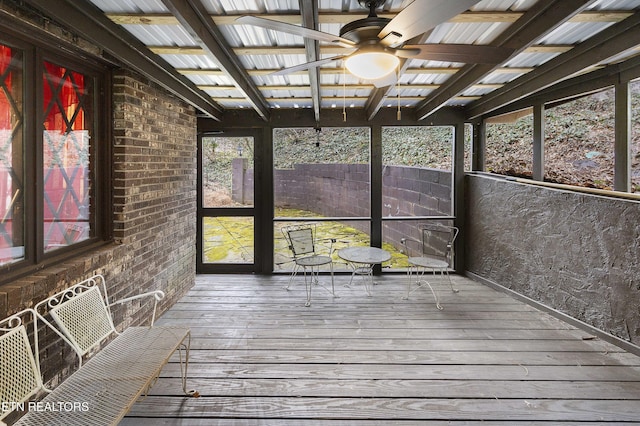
x: 337, y: 99
x: 332, y: 71
x: 540, y: 19
x: 578, y: 86
x: 344, y: 18
x: 337, y: 87
x: 309, y: 12
x: 194, y: 18
x: 324, y: 49
x: 611, y: 41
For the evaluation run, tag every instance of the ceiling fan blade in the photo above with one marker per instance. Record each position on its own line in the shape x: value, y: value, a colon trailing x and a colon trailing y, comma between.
x: 464, y: 53
x: 294, y: 29
x: 419, y: 17
x: 307, y: 65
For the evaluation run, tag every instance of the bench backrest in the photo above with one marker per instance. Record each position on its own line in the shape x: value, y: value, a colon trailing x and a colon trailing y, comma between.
x: 81, y: 314
x: 19, y: 369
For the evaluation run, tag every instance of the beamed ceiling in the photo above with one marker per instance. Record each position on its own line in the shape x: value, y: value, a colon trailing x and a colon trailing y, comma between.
x: 197, y: 50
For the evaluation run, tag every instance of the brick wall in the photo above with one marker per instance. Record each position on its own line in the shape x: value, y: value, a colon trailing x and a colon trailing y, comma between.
x: 154, y: 216
x: 155, y: 147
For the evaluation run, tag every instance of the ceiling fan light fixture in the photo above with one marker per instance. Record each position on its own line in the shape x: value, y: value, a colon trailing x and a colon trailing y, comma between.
x: 372, y: 65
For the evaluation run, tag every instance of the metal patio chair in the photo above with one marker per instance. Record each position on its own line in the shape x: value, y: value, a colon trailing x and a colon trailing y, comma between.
x: 301, y: 240
x: 20, y: 377
x: 436, y: 249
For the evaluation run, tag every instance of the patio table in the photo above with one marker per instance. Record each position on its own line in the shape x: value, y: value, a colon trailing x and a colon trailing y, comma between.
x: 362, y: 260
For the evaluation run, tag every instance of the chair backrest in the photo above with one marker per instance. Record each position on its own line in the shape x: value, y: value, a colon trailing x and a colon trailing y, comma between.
x: 300, y: 239
x: 437, y: 240
x: 19, y: 369
x: 81, y: 315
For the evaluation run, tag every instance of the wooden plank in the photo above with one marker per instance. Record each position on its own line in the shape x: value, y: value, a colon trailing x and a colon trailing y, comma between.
x: 410, y: 372
x: 376, y: 333
x: 258, y: 356
x: 404, y: 344
x: 369, y: 319
x: 264, y: 321
x: 384, y: 408
x: 252, y: 356
x: 139, y: 421
x: 373, y: 388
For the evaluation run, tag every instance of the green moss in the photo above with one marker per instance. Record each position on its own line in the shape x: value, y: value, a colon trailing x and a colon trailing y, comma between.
x: 230, y: 239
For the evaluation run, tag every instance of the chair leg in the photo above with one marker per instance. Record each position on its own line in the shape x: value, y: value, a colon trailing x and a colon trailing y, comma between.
x: 420, y: 282
x: 293, y: 275
x: 435, y: 296
x: 308, y: 284
x: 184, y: 366
x: 311, y: 277
x: 455, y: 290
x: 409, y: 280
x: 333, y: 289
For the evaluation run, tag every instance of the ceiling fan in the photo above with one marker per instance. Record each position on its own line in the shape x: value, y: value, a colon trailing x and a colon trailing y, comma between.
x: 373, y: 45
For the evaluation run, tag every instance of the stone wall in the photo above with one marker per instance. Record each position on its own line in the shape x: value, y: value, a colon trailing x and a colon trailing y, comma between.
x: 574, y: 252
x: 154, y: 197
x: 416, y: 191
x: 342, y: 190
x: 326, y: 189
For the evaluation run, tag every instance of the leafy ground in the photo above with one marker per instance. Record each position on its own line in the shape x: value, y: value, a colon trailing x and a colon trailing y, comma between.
x: 579, y: 142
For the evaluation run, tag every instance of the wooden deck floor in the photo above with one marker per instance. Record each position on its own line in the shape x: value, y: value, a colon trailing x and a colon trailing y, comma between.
x: 260, y: 357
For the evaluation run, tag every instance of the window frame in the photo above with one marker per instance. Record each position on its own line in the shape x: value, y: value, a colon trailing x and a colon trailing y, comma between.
x: 35, y: 52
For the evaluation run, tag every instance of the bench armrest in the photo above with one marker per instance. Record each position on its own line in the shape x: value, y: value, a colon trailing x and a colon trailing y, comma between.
x: 156, y: 294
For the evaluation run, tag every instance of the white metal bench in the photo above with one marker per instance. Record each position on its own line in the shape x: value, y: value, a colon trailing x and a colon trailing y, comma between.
x: 103, y: 388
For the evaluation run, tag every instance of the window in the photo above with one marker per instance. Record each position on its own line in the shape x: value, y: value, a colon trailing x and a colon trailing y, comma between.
x: 321, y: 176
x: 509, y: 146
x: 65, y: 151
x: 579, y: 141
x: 417, y: 183
x: 11, y: 156
x: 50, y: 147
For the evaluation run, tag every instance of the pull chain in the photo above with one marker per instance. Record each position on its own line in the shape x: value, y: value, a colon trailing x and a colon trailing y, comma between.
x: 344, y: 93
x: 398, y: 114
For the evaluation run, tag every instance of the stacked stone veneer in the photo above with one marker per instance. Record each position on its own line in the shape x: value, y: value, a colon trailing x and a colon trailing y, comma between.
x: 342, y: 190
x: 326, y: 189
x: 577, y: 253
x: 154, y: 195
x: 413, y: 191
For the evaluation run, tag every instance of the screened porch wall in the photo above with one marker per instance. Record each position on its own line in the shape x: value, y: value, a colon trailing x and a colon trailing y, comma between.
x: 574, y: 252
